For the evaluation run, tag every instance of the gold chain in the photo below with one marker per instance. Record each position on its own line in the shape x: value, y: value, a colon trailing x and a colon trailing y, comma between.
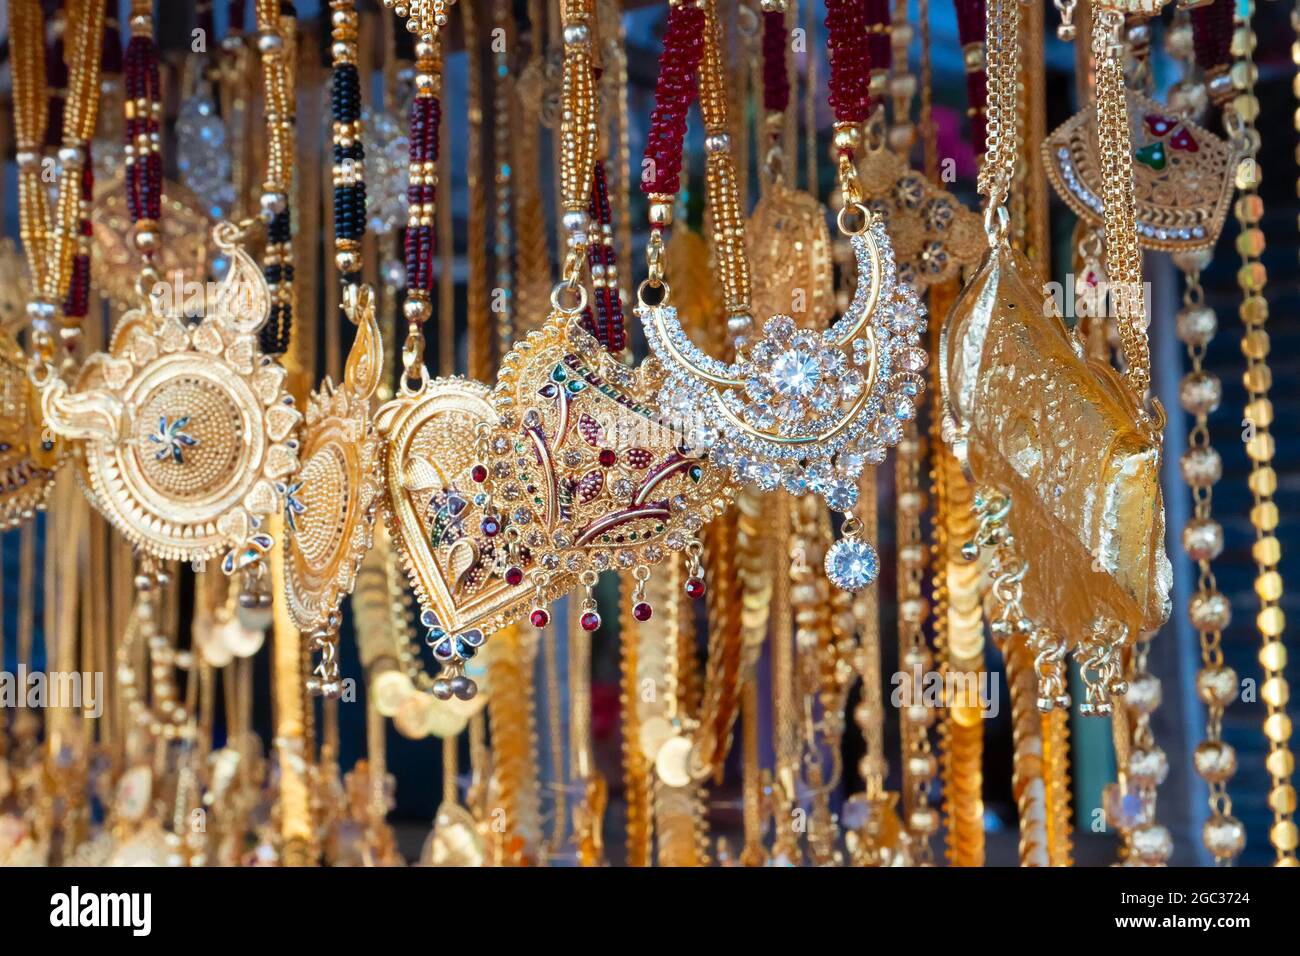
x: 1000, y: 151
x: 1258, y: 379
x: 1123, y: 257
x: 51, y: 235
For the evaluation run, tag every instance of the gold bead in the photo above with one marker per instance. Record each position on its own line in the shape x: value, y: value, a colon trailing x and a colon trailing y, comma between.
x: 1275, y: 692
x: 661, y: 213
x: 1266, y: 551
x: 1282, y: 799
x: 1271, y: 621
x: 1284, y: 835
x: 1280, y: 763
x: 1277, y: 727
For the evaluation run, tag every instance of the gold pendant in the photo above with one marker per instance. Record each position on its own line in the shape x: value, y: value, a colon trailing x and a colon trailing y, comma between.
x: 27, y: 460
x: 182, y: 253
x: 507, y: 499
x: 790, y: 256
x: 1062, y: 443
x: 182, y: 431
x: 1182, y: 174
x: 329, y: 505
x: 934, y: 234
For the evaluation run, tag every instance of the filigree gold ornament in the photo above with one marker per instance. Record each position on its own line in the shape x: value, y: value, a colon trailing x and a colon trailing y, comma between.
x: 1063, y: 437
x: 800, y: 409
x: 934, y: 235
x: 500, y: 501
x: 182, y: 431
x: 27, y: 458
x: 329, y: 505
x: 15, y: 287
x: 790, y: 254
x: 1182, y: 174
x: 181, y: 256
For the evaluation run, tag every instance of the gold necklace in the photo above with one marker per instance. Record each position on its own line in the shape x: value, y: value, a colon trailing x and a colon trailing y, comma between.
x: 502, y: 499
x: 330, y: 503
x: 184, y: 430
x: 1243, y: 111
x: 50, y: 237
x: 985, y: 420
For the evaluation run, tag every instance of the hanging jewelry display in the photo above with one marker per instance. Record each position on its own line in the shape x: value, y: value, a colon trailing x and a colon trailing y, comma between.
x: 797, y: 409
x: 571, y: 471
x: 993, y: 329
x: 183, y: 430
x: 329, y: 505
x: 1241, y: 115
x: 1182, y: 174
x: 180, y: 255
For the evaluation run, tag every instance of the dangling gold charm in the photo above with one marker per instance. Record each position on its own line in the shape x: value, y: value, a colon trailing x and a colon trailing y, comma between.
x: 1182, y: 174
x: 27, y: 459
x: 1056, y: 433
x: 329, y: 505
x: 182, y: 431
x: 181, y: 254
x: 790, y: 256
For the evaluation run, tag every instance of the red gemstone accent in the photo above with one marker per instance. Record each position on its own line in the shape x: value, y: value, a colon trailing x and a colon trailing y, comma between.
x: 590, y: 621
x: 695, y: 587
x: 592, y: 431
x: 539, y: 617
x: 514, y: 576
x: 642, y: 611
x: 638, y: 458
x: 479, y: 473
x: 608, y: 457
x: 1159, y: 125
x: 1184, y: 140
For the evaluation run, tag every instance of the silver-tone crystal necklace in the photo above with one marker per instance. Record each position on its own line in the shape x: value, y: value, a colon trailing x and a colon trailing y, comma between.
x: 797, y: 409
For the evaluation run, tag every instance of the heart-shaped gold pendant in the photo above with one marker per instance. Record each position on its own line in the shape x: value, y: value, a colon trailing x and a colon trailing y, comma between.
x: 504, y: 500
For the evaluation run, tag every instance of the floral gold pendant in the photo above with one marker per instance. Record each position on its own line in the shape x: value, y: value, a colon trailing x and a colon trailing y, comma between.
x: 933, y: 233
x: 183, y: 431
x: 329, y: 505
x: 507, y: 499
x: 1182, y: 174
x: 803, y: 409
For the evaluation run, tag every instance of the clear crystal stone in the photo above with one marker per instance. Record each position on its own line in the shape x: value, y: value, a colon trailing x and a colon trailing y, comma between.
x: 796, y: 373
x: 852, y: 564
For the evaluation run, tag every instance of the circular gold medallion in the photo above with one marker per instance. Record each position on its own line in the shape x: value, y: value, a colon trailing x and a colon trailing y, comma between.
x: 330, y: 504
x: 185, y: 430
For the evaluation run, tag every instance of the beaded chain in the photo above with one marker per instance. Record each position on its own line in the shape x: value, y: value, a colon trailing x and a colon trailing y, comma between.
x: 349, y: 152
x: 419, y: 245
x: 275, y: 25
x: 970, y: 31
x: 143, y: 155
x: 1240, y: 117
x: 1200, y: 392
x: 77, y: 304
x: 722, y: 182
x: 604, y: 318
x: 52, y: 236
